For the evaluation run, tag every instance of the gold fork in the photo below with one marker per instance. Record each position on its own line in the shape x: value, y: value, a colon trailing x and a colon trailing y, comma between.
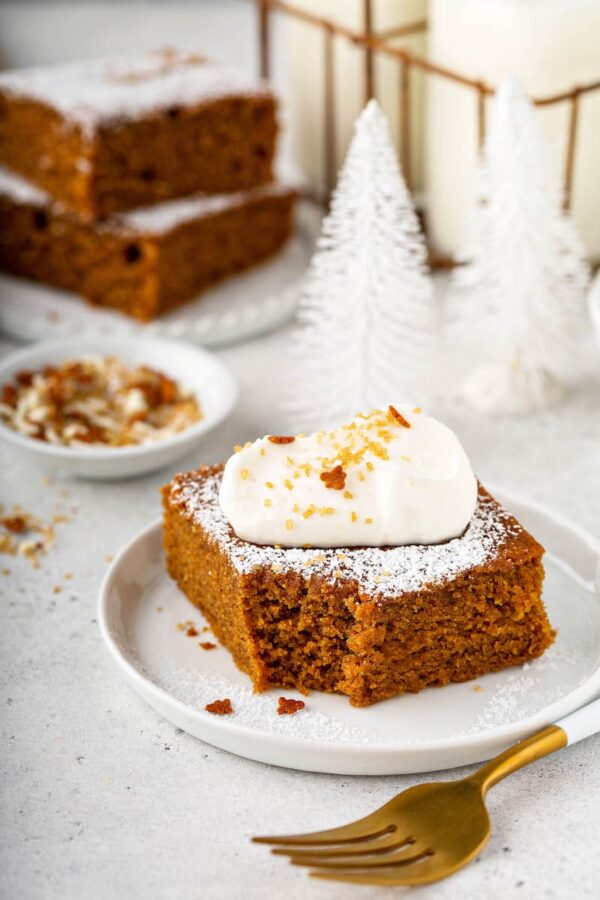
x: 428, y: 831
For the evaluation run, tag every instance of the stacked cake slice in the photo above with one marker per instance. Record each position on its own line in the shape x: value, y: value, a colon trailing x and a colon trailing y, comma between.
x: 137, y: 183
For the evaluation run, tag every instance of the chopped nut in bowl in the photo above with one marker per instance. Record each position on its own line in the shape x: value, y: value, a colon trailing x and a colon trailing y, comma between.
x: 111, y: 408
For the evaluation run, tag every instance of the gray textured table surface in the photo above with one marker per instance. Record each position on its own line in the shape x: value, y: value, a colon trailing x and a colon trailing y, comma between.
x: 103, y: 799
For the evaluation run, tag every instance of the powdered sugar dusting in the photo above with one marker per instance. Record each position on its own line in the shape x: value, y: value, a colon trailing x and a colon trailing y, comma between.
x: 157, y: 219
x: 377, y: 571
x: 94, y: 92
x: 523, y: 693
x: 259, y: 711
x: 518, y: 695
x: 161, y: 217
x: 22, y: 191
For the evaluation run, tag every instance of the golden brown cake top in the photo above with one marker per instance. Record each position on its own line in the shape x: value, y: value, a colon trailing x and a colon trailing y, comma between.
x: 493, y: 540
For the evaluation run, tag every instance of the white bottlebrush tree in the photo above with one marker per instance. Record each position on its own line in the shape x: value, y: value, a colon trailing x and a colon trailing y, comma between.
x: 366, y: 310
x: 520, y: 295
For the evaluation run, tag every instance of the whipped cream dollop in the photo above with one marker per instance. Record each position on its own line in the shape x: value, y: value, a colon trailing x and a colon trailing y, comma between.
x: 395, y: 476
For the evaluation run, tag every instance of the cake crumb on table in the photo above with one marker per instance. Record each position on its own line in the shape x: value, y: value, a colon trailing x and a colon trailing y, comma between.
x: 220, y: 707
x: 289, y: 707
x: 191, y: 631
x: 16, y: 524
x: 23, y: 534
x: 207, y: 645
x: 60, y: 518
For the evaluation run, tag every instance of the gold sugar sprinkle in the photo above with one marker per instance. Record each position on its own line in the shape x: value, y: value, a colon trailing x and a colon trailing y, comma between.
x: 244, y: 474
x: 368, y: 521
x: 309, y: 511
x: 288, y: 484
x: 348, y: 495
x: 269, y: 484
x: 354, y: 517
x: 326, y: 511
x: 267, y: 502
x: 289, y: 524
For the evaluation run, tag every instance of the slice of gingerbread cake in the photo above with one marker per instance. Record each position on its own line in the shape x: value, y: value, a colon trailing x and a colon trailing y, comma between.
x: 144, y: 262
x: 102, y: 136
x: 365, y: 560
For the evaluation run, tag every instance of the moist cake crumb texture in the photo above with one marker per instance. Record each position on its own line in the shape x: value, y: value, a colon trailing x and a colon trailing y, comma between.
x: 367, y: 622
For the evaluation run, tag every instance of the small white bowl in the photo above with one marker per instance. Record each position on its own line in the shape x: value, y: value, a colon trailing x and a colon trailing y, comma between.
x: 196, y: 370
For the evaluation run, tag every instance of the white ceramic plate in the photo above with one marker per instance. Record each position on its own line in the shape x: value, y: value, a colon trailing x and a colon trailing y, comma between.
x: 239, y: 308
x: 195, y: 369
x: 436, y: 729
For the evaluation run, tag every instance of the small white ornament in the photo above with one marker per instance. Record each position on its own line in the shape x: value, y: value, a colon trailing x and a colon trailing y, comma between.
x: 520, y: 297
x: 366, y: 315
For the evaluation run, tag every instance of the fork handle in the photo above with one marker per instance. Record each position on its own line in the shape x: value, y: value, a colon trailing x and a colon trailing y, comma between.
x: 582, y: 723
x: 578, y: 725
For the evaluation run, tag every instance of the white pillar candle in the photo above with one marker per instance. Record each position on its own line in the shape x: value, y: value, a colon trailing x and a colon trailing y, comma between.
x: 306, y: 80
x: 551, y: 45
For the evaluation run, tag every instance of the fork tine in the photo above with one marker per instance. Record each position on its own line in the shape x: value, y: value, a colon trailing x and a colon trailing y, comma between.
x: 380, y: 845
x: 367, y: 828
x: 404, y: 857
x: 421, y: 871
